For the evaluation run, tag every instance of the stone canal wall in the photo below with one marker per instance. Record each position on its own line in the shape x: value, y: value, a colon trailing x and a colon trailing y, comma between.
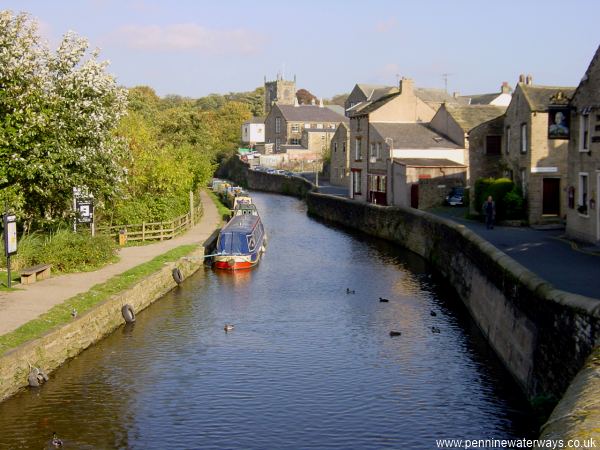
x: 542, y: 335
x: 55, y: 347
x: 235, y: 170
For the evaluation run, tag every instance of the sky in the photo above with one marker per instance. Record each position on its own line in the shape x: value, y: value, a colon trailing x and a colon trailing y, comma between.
x: 193, y: 48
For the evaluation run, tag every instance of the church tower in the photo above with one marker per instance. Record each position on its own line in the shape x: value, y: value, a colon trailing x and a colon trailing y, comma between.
x: 279, y: 91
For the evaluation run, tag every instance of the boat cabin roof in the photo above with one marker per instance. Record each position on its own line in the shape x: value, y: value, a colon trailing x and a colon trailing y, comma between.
x: 241, y: 224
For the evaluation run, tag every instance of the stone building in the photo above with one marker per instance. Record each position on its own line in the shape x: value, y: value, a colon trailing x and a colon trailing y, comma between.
x: 340, y: 156
x: 279, y: 91
x: 366, y: 155
x: 478, y: 129
x: 501, y: 98
x: 583, y: 179
x: 535, y: 155
x: 289, y: 126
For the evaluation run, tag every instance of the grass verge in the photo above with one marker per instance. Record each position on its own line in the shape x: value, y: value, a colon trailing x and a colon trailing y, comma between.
x: 223, y: 210
x: 61, y: 314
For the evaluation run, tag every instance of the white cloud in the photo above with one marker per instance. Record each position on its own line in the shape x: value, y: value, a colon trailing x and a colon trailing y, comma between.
x: 188, y: 37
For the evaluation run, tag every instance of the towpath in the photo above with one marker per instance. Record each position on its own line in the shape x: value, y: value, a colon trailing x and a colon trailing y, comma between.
x: 20, y: 306
x: 544, y: 252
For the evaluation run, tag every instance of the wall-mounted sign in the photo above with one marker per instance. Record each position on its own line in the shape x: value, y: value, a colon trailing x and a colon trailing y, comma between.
x: 10, y: 234
x: 558, y: 123
x: 544, y: 169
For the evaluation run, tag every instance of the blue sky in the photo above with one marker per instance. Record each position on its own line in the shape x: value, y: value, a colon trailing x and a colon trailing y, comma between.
x: 193, y: 48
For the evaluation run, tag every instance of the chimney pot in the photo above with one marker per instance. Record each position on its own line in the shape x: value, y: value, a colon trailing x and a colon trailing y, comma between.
x: 406, y: 85
x: 505, y: 88
x: 529, y: 80
x: 522, y: 78
x: 455, y: 94
x: 320, y: 103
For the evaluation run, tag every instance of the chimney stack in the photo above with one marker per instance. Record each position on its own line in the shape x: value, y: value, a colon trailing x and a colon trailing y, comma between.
x: 296, y: 101
x: 455, y: 94
x: 505, y: 88
x: 406, y: 85
x: 312, y: 101
x: 320, y: 102
x: 521, y: 78
x: 529, y: 80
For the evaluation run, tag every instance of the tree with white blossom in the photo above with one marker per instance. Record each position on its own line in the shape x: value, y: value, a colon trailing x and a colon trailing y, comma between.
x: 58, y: 113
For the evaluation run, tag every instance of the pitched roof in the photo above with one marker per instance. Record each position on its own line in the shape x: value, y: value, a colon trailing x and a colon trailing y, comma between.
x: 429, y: 95
x: 481, y: 99
x: 336, y: 108
x: 427, y: 162
x: 369, y: 107
x: 590, y: 76
x: 470, y: 116
x: 539, y: 97
x: 311, y: 113
x: 368, y: 89
x: 412, y: 135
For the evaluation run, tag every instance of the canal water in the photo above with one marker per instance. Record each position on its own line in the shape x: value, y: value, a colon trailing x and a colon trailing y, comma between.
x: 307, y: 365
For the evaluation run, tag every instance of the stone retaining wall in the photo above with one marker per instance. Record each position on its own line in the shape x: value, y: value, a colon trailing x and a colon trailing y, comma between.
x: 56, y: 346
x: 542, y: 335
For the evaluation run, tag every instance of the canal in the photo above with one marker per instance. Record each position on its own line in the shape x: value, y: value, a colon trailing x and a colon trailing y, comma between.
x: 307, y: 365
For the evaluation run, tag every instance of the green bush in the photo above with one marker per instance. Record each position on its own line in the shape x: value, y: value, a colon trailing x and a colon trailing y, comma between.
x: 509, y: 201
x: 65, y: 250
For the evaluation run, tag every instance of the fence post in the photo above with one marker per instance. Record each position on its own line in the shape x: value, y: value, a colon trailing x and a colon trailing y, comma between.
x: 191, y: 209
x: 143, y: 231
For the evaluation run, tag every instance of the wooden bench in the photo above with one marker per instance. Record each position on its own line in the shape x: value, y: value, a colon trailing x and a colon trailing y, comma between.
x: 35, y: 273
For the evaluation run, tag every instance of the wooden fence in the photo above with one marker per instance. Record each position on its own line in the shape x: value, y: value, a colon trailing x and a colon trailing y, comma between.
x: 154, y: 231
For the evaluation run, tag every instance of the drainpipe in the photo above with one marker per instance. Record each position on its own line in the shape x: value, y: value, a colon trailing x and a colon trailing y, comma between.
x: 367, y: 150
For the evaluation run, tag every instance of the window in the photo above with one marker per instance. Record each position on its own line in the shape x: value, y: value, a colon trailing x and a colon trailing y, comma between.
x: 307, y: 125
x: 584, y: 133
x: 343, y: 147
x: 358, y: 124
x: 507, y: 140
x: 335, y: 147
x: 277, y: 124
x: 378, y: 151
x: 372, y: 152
x: 277, y: 144
x: 295, y: 141
x: 356, y: 182
x: 331, y: 126
x: 582, y: 200
x: 320, y: 126
x: 523, y: 138
x: 295, y: 128
x: 493, y: 144
x: 377, y: 183
x: 357, y: 150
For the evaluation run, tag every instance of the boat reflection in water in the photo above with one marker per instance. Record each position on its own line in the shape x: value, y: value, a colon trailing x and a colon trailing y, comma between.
x: 241, y: 242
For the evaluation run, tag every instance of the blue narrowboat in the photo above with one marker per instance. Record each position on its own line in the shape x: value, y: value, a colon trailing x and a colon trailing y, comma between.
x: 241, y: 243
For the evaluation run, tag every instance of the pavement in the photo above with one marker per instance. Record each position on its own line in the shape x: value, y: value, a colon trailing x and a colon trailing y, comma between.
x: 547, y: 253
x: 324, y: 186
x: 29, y: 301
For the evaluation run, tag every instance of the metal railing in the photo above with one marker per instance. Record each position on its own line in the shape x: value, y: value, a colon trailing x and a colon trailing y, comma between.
x: 154, y: 231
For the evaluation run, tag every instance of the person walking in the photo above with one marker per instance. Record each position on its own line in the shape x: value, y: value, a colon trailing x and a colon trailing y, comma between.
x: 489, y: 211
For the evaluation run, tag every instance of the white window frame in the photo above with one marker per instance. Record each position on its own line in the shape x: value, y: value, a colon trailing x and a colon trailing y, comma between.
x: 581, y: 201
x: 277, y: 124
x: 357, y: 149
x: 277, y: 144
x: 372, y: 150
x: 523, y: 174
x: 295, y: 128
x: 584, y: 133
x: 378, y: 150
x: 356, y: 182
x: 307, y: 125
x: 319, y: 126
x: 523, y: 143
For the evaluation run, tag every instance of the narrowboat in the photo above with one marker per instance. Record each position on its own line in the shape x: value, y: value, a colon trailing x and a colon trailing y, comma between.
x: 241, y: 243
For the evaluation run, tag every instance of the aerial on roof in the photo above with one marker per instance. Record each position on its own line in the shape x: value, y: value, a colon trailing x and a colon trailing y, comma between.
x: 470, y: 116
x: 312, y: 113
x: 540, y: 97
x: 427, y: 162
x: 412, y: 136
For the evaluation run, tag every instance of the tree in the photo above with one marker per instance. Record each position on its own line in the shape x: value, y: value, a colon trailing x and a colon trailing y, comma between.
x: 58, y: 111
x: 339, y: 99
x: 305, y: 97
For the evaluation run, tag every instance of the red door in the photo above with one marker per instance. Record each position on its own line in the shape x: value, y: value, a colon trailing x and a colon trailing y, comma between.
x: 551, y: 196
x: 414, y: 195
